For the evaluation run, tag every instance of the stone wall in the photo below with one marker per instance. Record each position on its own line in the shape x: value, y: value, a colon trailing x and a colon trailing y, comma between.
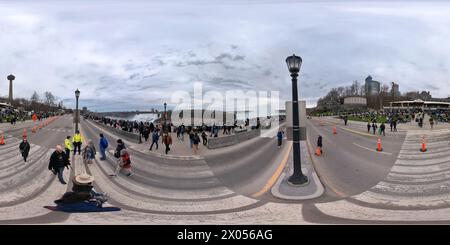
x: 237, y: 138
x: 135, y: 138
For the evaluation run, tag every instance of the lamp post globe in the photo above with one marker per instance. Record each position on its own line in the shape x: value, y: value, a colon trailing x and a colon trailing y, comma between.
x: 298, y: 179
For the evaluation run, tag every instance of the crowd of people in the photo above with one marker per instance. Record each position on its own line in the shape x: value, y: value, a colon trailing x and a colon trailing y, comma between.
x: 154, y: 132
x: 14, y: 116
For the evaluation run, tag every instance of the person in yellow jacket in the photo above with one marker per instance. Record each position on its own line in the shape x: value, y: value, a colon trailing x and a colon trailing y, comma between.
x: 77, y: 139
x: 68, y: 146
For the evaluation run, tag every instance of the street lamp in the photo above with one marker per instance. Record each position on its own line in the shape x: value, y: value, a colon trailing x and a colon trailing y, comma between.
x: 11, y: 78
x: 77, y: 95
x: 165, y: 116
x: 294, y: 63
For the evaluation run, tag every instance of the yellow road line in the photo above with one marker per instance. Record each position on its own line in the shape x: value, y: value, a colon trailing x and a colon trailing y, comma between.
x: 276, y: 175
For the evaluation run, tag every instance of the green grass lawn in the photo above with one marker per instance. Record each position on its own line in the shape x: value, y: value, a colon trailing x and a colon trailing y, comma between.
x: 366, y: 119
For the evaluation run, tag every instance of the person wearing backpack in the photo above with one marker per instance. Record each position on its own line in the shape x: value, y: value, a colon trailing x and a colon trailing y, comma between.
x: 103, y: 145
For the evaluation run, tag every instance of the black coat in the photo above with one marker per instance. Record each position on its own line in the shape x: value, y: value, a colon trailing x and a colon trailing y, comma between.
x: 319, y: 141
x: 118, y: 149
x: 58, y: 160
x: 24, y: 148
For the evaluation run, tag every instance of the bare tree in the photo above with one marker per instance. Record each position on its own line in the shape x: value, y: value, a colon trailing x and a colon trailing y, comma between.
x: 49, y: 98
x: 354, y: 88
x: 35, y: 97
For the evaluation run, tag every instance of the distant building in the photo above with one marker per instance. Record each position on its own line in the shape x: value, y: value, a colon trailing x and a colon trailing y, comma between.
x: 417, y: 105
x: 353, y: 102
x: 372, y: 87
x: 395, y: 92
x: 84, y: 111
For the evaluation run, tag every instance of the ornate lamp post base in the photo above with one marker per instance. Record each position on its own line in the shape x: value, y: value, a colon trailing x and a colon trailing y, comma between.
x: 298, y: 180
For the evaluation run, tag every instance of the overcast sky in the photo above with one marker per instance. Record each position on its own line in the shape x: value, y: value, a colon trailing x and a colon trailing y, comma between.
x: 134, y: 54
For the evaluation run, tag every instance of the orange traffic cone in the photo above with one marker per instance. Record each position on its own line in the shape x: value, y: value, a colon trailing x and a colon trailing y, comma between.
x: 318, y: 151
x: 424, y: 147
x: 2, y: 140
x: 334, y: 130
x: 379, y: 148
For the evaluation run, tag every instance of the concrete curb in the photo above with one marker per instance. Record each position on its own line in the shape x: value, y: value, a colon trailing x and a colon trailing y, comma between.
x: 313, y: 189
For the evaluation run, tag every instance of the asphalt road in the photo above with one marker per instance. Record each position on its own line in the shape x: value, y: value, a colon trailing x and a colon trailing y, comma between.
x: 350, y: 164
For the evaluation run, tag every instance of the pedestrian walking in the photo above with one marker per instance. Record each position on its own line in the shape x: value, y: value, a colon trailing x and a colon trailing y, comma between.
x: 382, y: 129
x: 374, y: 127
x: 120, y: 146
x: 368, y: 127
x: 68, y: 146
x: 391, y: 123
x: 191, y: 136
x: 280, y: 138
x: 59, y: 161
x: 345, y: 120
x: 319, y: 144
x: 155, y: 138
x: 204, y: 138
x: 195, y: 142
x: 103, y: 144
x: 24, y: 148
x: 89, y: 152
x: 146, y: 133
x: 395, y: 125
x: 77, y: 143
x: 167, y: 140
x: 431, y: 122
x: 182, y: 131
x: 124, y: 163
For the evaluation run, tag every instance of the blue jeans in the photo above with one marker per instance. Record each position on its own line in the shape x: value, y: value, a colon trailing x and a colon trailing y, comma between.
x: 102, y: 151
x: 61, y: 175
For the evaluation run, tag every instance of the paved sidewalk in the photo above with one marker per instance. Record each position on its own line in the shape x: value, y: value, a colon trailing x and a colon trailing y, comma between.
x: 178, y: 149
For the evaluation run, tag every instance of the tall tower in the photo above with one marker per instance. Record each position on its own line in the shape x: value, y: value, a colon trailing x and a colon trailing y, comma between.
x: 11, y: 77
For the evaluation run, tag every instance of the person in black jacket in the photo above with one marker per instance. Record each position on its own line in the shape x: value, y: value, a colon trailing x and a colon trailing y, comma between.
x: 59, y: 160
x: 120, y: 146
x: 24, y: 149
x: 319, y: 143
x: 382, y: 129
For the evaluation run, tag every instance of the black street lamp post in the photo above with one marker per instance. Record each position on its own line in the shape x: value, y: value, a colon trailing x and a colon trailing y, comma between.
x: 165, y: 117
x: 294, y: 63
x: 77, y: 95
